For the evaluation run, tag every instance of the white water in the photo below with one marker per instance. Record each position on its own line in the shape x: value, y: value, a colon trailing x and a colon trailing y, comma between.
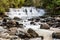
x: 34, y: 13
x: 21, y: 12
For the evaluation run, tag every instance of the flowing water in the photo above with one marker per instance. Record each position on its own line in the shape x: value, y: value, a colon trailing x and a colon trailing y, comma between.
x: 26, y: 12
x: 27, y: 15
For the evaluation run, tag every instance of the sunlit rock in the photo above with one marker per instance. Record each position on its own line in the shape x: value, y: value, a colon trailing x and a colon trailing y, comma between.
x: 12, y: 30
x: 44, y: 26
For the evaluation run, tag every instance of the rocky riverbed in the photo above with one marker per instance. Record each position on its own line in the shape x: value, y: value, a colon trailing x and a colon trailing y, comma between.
x: 18, y: 29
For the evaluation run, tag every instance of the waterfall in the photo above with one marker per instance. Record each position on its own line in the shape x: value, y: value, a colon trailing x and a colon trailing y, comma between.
x: 41, y: 12
x: 25, y: 12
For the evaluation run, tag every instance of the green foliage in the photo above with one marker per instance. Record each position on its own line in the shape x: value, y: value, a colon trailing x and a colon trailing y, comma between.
x: 37, y: 3
x: 52, y: 5
x: 6, y: 4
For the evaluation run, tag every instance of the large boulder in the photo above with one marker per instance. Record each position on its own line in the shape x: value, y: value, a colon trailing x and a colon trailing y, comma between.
x: 56, y: 33
x: 22, y: 33
x: 12, y: 31
x: 46, y: 34
x: 32, y: 32
x: 44, y: 26
x: 11, y: 23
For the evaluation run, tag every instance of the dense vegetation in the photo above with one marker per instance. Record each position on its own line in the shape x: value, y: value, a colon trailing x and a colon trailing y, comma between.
x: 52, y: 6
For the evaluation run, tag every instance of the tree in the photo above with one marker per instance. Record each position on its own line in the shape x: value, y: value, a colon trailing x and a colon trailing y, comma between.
x: 52, y: 5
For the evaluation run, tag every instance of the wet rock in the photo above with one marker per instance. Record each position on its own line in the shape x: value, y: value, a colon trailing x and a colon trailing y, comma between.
x: 51, y: 23
x: 32, y: 33
x: 22, y: 33
x: 32, y: 23
x: 37, y: 19
x: 32, y: 19
x: 21, y: 25
x: 4, y: 22
x: 56, y: 35
x: 44, y: 26
x: 42, y: 20
x: 11, y: 23
x: 18, y: 25
x: 43, y: 16
x: 16, y: 18
x: 57, y: 24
